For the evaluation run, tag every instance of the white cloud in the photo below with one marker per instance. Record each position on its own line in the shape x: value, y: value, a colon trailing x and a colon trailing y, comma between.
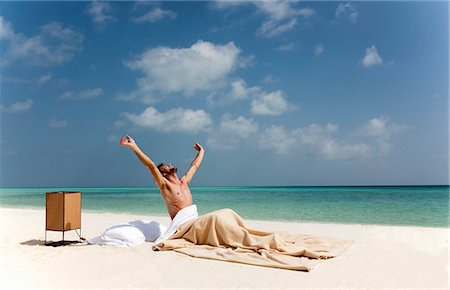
x: 278, y: 140
x: 174, y: 120
x: 54, y: 45
x: 278, y: 10
x: 332, y: 149
x: 272, y: 28
x: 246, y: 61
x: 262, y: 103
x: 54, y: 123
x: 321, y: 140
x: 240, y: 126
x: 315, y: 134
x: 35, y: 82
x: 66, y: 95
x: 372, y: 57
x: 90, y: 93
x: 319, y: 49
x: 316, y: 137
x: 381, y: 127
x: 43, y: 79
x: 240, y: 91
x: 200, y: 68
x: 101, y: 12
x: 230, y: 132
x: 287, y: 47
x: 282, y: 17
x: 83, y: 95
x: 155, y: 15
x: 226, y: 4
x: 270, y: 104
x: 347, y: 10
x: 18, y: 107
x: 6, y: 30
x: 269, y: 79
x: 382, y: 130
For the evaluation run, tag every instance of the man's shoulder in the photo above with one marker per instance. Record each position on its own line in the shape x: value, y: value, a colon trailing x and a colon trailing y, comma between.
x: 183, y: 179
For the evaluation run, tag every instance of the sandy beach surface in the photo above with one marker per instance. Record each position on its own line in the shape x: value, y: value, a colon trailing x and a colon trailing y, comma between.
x: 382, y: 257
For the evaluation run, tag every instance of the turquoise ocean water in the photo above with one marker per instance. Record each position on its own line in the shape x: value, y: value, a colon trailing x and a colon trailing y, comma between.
x: 390, y: 205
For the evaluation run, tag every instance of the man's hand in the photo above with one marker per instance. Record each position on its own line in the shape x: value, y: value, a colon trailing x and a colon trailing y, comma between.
x: 198, y: 147
x: 127, y: 141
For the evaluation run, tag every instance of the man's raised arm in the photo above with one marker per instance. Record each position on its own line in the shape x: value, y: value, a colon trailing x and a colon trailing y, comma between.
x: 127, y: 141
x: 195, y: 163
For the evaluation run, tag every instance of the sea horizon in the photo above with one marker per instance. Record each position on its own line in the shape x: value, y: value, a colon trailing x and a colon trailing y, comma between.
x: 412, y: 205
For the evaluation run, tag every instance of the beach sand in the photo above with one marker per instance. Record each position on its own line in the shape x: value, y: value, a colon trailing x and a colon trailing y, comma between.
x: 382, y: 257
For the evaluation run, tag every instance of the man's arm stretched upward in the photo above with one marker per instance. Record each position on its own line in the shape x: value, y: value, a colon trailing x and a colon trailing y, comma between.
x: 127, y: 141
x: 195, y: 163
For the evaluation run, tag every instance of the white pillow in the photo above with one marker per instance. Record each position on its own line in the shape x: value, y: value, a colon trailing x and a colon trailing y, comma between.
x: 151, y: 229
x: 130, y: 234
x: 125, y: 235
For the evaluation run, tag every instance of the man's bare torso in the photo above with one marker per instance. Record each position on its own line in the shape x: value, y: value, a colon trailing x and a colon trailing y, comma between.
x: 174, y: 191
x: 176, y: 196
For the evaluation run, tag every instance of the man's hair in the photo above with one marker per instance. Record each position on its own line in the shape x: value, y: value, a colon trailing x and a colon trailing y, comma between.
x: 159, y: 166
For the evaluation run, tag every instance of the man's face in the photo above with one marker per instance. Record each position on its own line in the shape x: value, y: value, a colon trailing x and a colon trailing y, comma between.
x: 168, y: 169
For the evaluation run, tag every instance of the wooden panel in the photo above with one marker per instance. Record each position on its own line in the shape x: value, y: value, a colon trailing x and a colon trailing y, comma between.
x: 54, y: 211
x: 72, y: 210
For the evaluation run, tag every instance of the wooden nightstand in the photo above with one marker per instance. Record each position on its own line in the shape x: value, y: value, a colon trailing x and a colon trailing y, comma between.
x: 63, y: 212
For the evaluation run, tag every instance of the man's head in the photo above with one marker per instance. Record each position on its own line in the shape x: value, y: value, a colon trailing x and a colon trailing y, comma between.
x: 167, y: 169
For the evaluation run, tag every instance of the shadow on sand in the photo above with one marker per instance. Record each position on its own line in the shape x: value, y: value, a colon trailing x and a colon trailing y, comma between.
x: 51, y: 243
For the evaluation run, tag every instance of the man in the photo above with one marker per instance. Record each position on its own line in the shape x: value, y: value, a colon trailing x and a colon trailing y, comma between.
x: 174, y: 191
x: 221, y: 234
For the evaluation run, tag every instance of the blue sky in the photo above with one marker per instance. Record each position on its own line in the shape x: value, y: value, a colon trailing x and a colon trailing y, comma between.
x: 278, y: 93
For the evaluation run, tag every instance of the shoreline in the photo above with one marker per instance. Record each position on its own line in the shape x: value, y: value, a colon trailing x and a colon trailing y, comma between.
x: 381, y: 257
x: 158, y: 216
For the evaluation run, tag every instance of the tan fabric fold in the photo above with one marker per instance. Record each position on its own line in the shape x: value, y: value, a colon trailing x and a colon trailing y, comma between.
x: 222, y: 235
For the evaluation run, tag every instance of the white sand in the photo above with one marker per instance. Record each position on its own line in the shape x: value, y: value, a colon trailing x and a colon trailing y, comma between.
x: 382, y: 257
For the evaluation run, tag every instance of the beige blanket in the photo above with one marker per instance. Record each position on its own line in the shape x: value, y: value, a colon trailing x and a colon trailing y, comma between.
x: 222, y: 235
